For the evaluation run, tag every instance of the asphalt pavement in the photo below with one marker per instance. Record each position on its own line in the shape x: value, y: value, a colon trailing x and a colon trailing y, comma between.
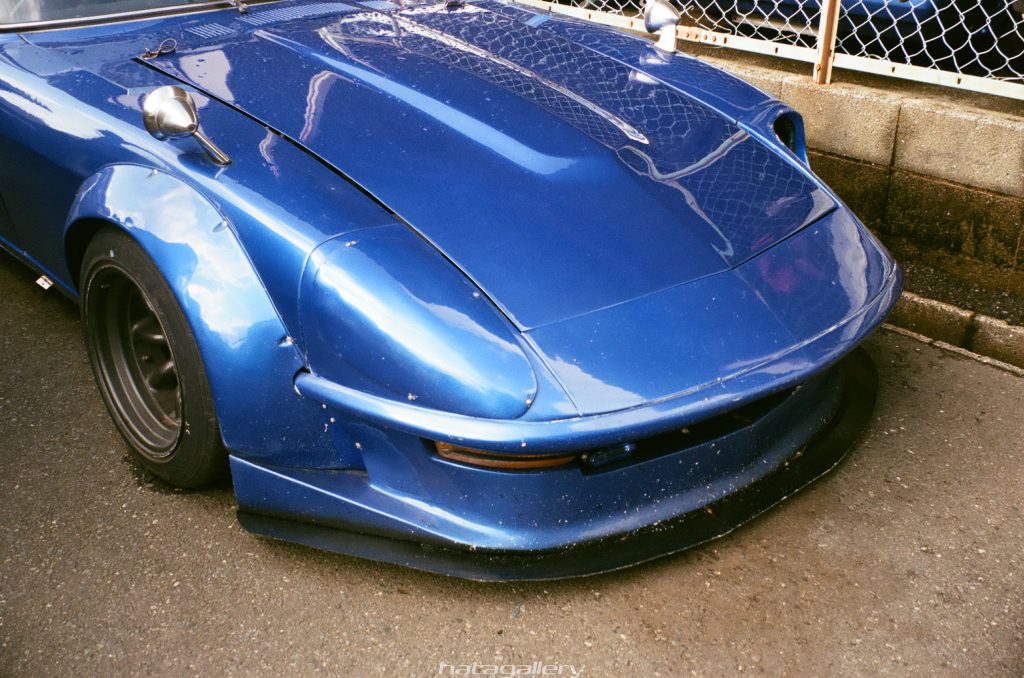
x: 907, y: 560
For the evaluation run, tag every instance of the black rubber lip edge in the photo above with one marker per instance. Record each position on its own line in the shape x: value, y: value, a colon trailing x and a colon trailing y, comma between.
x: 818, y: 457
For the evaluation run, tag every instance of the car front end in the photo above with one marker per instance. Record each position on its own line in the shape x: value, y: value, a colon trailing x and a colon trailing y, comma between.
x: 481, y: 290
x: 773, y: 403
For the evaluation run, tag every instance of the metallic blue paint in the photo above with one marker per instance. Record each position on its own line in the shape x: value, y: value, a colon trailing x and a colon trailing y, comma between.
x: 381, y: 299
x: 407, y: 491
x: 789, y: 366
x: 578, y: 144
x: 514, y: 232
x: 231, y: 316
x: 807, y: 290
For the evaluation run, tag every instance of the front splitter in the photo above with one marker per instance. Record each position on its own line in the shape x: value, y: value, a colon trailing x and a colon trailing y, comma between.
x: 821, y: 454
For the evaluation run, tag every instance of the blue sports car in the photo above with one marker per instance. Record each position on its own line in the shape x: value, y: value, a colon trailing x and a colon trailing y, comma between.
x: 451, y: 284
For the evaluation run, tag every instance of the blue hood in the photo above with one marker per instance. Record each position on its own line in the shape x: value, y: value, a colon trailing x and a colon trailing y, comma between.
x: 558, y: 178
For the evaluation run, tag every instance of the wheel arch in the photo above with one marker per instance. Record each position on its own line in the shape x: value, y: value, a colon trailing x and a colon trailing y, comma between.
x: 249, y: 358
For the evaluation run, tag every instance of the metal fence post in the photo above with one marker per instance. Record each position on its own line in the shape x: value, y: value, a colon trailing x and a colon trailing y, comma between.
x: 827, y: 28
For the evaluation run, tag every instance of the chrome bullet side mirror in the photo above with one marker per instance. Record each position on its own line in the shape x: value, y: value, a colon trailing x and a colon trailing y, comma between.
x: 170, y: 113
x: 661, y: 17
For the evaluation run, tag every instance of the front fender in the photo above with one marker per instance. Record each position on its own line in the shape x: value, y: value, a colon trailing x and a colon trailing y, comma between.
x: 382, y: 312
x: 249, y: 357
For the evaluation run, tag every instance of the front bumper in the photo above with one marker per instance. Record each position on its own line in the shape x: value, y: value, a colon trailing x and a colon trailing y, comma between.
x: 407, y: 505
x: 489, y: 525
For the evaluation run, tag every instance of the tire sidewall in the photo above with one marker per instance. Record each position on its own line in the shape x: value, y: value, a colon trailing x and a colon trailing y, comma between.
x: 198, y: 457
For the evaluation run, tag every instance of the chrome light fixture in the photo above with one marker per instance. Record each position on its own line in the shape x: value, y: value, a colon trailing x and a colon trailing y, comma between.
x: 170, y: 113
x: 661, y: 17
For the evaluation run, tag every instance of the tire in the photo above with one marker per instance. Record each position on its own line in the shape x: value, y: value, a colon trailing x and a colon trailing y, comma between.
x: 146, y: 363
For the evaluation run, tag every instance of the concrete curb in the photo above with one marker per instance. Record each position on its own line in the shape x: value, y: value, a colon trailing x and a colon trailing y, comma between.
x: 985, y: 360
x: 953, y: 327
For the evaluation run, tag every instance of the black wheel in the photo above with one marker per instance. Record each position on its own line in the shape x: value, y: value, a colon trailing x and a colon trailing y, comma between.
x: 146, y: 363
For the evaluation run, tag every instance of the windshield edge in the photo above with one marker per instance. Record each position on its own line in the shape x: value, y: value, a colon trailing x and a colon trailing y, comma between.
x: 56, y: 24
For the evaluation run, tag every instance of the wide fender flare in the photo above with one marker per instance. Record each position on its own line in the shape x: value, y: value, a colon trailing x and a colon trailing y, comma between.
x: 249, y: 356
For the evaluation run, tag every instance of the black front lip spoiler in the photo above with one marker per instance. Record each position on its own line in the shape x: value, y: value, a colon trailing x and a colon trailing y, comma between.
x: 818, y: 457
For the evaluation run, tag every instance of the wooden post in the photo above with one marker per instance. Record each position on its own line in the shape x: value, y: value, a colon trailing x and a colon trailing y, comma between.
x: 827, y: 27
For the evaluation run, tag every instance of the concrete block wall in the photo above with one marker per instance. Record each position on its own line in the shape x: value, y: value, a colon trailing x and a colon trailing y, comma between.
x: 942, y: 169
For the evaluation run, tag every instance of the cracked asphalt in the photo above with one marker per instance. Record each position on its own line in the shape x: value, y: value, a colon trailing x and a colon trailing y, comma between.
x: 905, y: 561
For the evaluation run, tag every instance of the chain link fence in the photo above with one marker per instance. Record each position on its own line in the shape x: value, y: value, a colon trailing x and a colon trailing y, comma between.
x: 972, y: 44
x: 973, y: 37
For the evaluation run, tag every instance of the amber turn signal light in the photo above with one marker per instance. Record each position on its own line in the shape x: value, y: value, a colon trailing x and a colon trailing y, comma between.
x: 510, y: 462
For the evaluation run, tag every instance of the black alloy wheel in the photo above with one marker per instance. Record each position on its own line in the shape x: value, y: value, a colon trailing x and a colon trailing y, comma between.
x: 135, y: 363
